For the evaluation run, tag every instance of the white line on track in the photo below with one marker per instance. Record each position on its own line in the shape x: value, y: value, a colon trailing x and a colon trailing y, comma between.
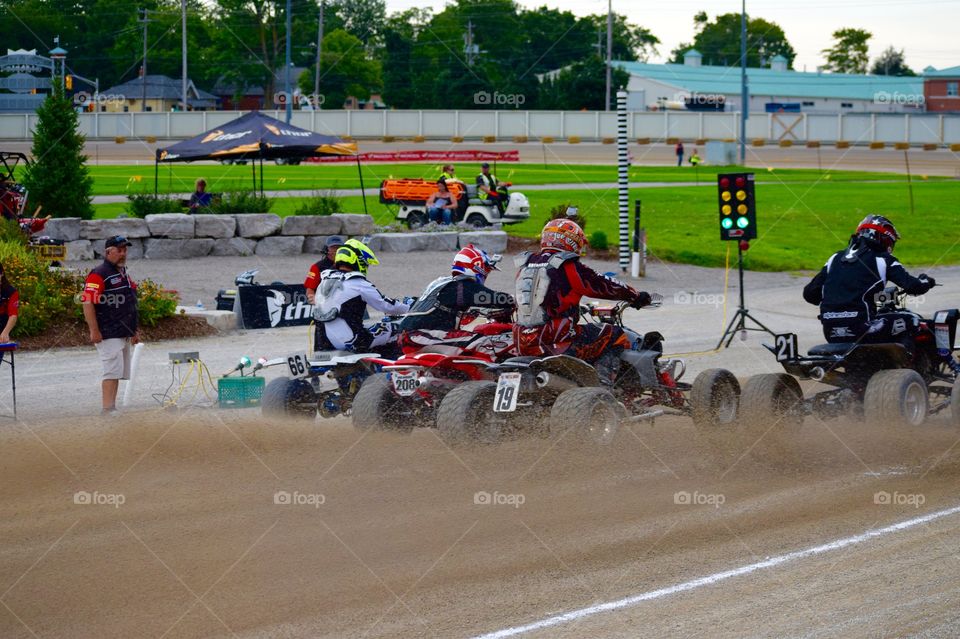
x: 633, y: 600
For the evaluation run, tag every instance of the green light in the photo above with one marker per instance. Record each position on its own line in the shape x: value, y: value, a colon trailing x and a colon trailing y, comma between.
x: 743, y: 222
x: 726, y: 223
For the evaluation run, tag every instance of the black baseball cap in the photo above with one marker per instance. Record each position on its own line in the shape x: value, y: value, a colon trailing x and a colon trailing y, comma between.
x: 485, y: 165
x: 117, y: 240
x: 335, y: 240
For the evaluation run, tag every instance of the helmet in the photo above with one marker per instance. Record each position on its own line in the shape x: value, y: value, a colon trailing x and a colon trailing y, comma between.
x: 474, y: 261
x: 563, y: 235
x: 880, y: 231
x: 356, y: 255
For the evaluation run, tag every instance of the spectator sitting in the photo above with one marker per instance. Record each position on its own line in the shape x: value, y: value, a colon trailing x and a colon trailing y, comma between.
x: 9, y: 307
x: 448, y: 174
x: 441, y: 204
x: 200, y: 197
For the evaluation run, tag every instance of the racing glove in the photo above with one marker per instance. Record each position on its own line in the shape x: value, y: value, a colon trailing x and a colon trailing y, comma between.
x: 927, y: 281
x: 643, y: 299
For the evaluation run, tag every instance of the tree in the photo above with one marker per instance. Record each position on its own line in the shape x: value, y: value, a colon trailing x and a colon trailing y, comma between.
x: 580, y: 86
x: 59, y: 179
x: 891, y: 62
x: 345, y: 70
x: 630, y: 41
x: 719, y: 42
x: 362, y: 18
x: 849, y: 51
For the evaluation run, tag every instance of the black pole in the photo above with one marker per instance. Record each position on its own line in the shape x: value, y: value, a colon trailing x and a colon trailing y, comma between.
x: 636, y: 226
x: 743, y: 303
x: 156, y: 176
x: 261, y: 175
x: 363, y: 192
x: 253, y: 167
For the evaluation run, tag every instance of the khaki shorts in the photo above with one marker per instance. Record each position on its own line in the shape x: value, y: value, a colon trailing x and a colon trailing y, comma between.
x: 115, y: 355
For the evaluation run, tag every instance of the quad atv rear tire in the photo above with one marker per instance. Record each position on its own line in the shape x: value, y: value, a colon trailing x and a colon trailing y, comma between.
x: 897, y: 397
x: 772, y: 400
x: 466, y: 415
x: 285, y: 397
x: 590, y: 414
x: 955, y: 403
x: 377, y: 407
x: 715, y: 399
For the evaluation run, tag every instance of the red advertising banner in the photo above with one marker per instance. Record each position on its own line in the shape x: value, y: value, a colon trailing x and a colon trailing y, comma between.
x: 425, y: 156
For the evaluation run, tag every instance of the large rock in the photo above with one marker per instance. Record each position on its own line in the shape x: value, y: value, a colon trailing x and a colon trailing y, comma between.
x: 177, y: 226
x: 79, y: 250
x: 355, y: 223
x: 217, y: 226
x: 257, y: 225
x: 134, y: 251
x: 311, y: 225
x: 63, y: 228
x: 129, y: 227
x: 489, y: 241
x: 317, y: 245
x: 280, y: 245
x: 406, y: 242
x: 166, y: 249
x: 233, y: 246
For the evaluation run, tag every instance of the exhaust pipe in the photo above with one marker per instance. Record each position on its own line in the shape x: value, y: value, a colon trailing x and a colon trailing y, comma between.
x: 817, y: 373
x: 546, y: 381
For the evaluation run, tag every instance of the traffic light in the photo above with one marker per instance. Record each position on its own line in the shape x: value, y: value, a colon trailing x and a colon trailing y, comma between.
x: 68, y: 81
x: 738, y: 206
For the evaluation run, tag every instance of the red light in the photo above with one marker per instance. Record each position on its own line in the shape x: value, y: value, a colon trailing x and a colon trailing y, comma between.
x: 740, y: 182
x: 744, y: 245
x: 724, y: 183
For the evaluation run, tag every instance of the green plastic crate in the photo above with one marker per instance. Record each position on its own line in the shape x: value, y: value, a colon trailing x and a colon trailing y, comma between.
x: 239, y: 392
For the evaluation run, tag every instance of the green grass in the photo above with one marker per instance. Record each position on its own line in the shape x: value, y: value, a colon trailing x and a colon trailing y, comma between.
x: 180, y: 178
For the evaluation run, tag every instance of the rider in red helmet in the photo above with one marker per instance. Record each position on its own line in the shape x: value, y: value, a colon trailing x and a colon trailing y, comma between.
x: 550, y: 285
x: 846, y: 287
x: 437, y: 318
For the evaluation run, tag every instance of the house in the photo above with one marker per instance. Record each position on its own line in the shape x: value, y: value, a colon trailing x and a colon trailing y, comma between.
x: 695, y: 86
x: 247, y: 96
x: 162, y: 94
x: 941, y: 89
x: 374, y: 102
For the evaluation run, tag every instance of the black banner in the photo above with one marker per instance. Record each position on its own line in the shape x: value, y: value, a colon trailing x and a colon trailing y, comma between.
x: 274, y: 306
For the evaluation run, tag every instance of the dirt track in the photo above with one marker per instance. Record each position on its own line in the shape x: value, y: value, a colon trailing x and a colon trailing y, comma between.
x: 399, y: 548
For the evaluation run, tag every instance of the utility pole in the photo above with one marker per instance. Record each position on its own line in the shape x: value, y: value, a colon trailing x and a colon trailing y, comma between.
x: 609, y: 48
x: 286, y: 81
x: 183, y: 9
x: 316, y: 78
x: 469, y: 48
x: 744, y: 96
x: 145, y: 19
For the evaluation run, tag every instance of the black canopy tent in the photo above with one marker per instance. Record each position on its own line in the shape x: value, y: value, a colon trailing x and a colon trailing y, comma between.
x: 256, y: 136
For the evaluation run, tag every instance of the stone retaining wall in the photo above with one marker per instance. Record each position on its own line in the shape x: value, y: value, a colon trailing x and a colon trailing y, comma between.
x: 181, y: 236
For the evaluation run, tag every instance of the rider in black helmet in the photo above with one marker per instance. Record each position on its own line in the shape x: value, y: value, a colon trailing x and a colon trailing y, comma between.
x: 846, y: 287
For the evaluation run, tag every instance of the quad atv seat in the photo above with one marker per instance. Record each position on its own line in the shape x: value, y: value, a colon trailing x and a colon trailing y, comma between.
x: 832, y: 349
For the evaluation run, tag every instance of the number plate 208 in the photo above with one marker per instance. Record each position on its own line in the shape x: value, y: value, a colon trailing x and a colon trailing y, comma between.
x: 505, y: 397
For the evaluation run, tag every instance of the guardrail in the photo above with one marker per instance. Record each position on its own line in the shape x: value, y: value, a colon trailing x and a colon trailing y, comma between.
x: 535, y: 126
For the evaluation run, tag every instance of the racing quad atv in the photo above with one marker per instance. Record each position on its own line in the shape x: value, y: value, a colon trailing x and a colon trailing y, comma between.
x: 306, y: 392
x: 409, y: 390
x: 562, y: 394
x: 897, y: 383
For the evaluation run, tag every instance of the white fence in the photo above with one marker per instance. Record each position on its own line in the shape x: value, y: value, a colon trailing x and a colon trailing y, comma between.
x: 504, y: 125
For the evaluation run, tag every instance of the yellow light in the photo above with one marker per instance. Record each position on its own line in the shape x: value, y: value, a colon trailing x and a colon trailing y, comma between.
x: 742, y: 209
x: 725, y: 196
x: 726, y: 209
x: 741, y: 195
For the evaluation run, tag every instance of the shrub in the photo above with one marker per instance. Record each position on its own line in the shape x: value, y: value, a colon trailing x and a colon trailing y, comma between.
x: 154, y: 303
x: 144, y: 204
x: 321, y: 203
x: 10, y: 232
x: 598, y: 241
x: 560, y: 211
x: 241, y: 202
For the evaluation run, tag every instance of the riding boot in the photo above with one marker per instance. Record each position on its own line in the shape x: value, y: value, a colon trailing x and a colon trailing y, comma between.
x: 607, y: 366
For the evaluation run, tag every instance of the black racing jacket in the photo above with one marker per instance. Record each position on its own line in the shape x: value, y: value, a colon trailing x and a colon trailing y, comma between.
x: 444, y: 303
x: 846, y: 287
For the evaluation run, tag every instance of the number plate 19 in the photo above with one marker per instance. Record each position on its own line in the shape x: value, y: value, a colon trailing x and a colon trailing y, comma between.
x: 508, y: 388
x: 298, y: 364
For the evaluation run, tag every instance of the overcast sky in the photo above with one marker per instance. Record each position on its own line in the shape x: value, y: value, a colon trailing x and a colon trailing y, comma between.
x: 924, y: 29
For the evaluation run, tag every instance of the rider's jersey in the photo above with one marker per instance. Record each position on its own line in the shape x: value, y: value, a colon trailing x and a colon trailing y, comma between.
x: 847, y: 285
x: 445, y: 300
x: 341, y: 301
x: 550, y: 285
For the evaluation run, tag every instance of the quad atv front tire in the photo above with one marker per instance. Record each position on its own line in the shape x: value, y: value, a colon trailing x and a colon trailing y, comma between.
x: 377, y: 407
x: 285, y: 397
x: 772, y: 400
x: 590, y: 414
x: 897, y: 397
x: 714, y: 399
